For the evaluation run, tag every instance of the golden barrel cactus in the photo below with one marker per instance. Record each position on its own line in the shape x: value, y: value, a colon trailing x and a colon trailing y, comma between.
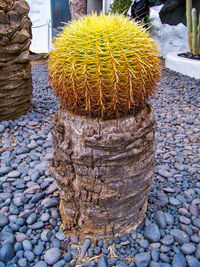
x: 104, y: 66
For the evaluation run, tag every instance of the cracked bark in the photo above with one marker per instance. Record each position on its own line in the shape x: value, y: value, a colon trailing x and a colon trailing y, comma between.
x: 104, y: 170
x: 15, y: 69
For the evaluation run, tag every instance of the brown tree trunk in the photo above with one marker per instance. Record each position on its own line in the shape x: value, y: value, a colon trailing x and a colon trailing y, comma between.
x: 15, y: 70
x: 104, y: 170
x: 77, y: 8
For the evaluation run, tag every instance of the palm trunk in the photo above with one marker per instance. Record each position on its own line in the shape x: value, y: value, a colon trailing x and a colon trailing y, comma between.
x: 78, y: 8
x: 104, y: 171
x: 15, y: 69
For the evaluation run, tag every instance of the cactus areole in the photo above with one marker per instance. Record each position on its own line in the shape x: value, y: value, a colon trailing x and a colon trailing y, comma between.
x: 103, y: 68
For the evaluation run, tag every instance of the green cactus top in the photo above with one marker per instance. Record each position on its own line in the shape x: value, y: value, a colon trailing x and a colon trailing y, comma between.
x: 104, y: 66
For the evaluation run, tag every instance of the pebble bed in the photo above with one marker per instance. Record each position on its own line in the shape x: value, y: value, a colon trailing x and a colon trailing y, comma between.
x: 30, y: 233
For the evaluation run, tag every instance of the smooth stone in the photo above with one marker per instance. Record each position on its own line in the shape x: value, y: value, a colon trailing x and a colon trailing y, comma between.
x: 68, y: 257
x: 6, y: 238
x: 154, y: 264
x: 60, y: 236
x: 38, y: 250
x: 197, y: 253
x: 35, y: 176
x: 18, y: 246
x: 36, y: 226
x: 4, y: 196
x: 184, y: 220
x: 3, y: 220
x: 196, y: 222
x: 50, y: 203
x: 32, y: 189
x: 37, y: 196
x: 55, y: 243
x: 174, y: 201
x: 22, y: 150
x: 194, y: 210
x: 152, y: 233
x: 29, y: 256
x: 122, y: 264
x: 143, y: 259
x: 188, y: 248
x: 2, y: 128
x: 160, y: 219
x: 26, y: 213
x: 14, y: 174
x: 22, y: 262
x: 32, y: 218
x: 144, y: 243
x: 102, y: 262
x: 179, y: 261
x: 164, y: 173
x: 192, y: 261
x: 52, y: 255
x: 52, y: 188
x: 40, y: 264
x: 85, y: 247
x: 20, y: 237
x: 167, y: 240
x: 27, y: 245
x: 180, y: 236
x: 6, y: 253
x: 46, y: 235
x: 5, y: 170
x: 45, y: 217
x: 155, y: 254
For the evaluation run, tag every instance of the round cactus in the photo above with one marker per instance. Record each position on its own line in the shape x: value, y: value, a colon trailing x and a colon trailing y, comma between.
x: 104, y: 66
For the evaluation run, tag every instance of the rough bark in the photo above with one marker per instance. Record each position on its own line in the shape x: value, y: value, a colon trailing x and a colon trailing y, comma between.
x: 104, y: 170
x: 77, y: 8
x: 15, y: 69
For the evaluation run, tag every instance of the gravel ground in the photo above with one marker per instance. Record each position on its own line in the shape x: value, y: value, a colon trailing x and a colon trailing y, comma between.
x: 30, y: 233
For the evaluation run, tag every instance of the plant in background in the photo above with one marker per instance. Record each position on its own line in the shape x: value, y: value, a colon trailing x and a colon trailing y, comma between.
x: 193, y: 25
x: 120, y: 6
x: 104, y: 66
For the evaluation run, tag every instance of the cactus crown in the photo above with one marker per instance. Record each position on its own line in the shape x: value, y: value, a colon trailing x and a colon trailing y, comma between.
x: 103, y: 66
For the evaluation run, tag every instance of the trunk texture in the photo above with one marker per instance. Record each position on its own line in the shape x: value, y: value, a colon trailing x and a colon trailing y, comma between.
x: 104, y: 170
x: 77, y: 8
x: 15, y: 70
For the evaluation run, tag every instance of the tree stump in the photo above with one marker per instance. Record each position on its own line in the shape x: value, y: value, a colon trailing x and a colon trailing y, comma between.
x: 104, y: 171
x: 15, y: 69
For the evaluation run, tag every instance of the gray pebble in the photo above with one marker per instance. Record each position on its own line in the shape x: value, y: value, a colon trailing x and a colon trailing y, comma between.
x: 102, y: 262
x: 143, y: 259
x: 192, y: 261
x: 3, y: 220
x: 52, y: 255
x: 40, y: 264
x: 180, y: 236
x: 188, y: 248
x: 152, y: 233
x: 160, y: 219
x: 14, y: 174
x: 6, y: 253
x: 178, y: 261
x: 27, y: 245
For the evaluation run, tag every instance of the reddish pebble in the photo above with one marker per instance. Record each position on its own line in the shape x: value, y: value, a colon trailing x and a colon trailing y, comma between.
x: 32, y: 123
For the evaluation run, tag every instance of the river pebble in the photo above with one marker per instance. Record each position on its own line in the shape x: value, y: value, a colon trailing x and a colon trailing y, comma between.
x: 30, y: 223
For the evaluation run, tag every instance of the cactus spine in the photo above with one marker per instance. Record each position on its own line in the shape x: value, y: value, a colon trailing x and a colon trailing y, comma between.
x: 104, y: 66
x: 193, y: 27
